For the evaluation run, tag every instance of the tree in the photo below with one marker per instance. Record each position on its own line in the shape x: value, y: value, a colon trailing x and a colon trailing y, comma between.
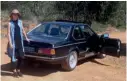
x: 106, y: 12
x: 100, y: 11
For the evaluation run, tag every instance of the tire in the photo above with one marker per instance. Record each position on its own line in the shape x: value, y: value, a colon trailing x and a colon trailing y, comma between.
x: 70, y: 63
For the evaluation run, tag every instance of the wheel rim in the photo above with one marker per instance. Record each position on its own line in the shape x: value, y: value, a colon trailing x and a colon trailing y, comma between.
x: 73, y: 60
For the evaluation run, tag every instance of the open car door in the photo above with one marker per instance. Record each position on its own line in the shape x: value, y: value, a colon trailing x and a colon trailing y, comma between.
x: 110, y: 46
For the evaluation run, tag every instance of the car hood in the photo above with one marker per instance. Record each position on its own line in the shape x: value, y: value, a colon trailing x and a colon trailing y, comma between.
x: 45, y: 39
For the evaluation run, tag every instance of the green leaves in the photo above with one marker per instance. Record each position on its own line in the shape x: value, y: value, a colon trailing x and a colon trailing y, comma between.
x: 106, y: 12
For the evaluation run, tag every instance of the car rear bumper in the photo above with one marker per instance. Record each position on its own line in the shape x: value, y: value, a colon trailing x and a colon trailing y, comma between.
x: 48, y: 59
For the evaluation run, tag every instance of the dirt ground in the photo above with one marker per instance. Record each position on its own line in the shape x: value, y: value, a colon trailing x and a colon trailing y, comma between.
x: 107, y: 69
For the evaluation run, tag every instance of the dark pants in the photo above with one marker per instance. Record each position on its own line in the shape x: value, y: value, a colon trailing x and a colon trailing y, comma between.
x: 18, y: 63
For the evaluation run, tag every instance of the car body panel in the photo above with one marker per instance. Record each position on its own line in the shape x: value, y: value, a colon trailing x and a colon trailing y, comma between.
x: 63, y: 47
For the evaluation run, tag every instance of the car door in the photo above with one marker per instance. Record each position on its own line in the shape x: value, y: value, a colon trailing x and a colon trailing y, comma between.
x: 102, y: 44
x: 92, y: 39
x: 79, y: 40
x: 110, y: 46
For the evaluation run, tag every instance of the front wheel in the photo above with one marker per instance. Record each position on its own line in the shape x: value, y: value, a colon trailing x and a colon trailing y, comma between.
x: 70, y: 63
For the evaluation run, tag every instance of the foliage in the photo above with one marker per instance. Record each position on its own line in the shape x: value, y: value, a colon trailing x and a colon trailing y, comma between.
x: 105, y: 12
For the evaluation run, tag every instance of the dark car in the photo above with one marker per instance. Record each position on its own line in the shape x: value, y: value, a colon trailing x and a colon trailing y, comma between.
x: 66, y: 42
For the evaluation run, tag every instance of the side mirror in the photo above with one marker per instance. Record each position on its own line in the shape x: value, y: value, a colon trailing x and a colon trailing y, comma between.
x: 105, y: 35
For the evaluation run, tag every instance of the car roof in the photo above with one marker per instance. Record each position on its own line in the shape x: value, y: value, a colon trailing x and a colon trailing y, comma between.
x: 64, y: 23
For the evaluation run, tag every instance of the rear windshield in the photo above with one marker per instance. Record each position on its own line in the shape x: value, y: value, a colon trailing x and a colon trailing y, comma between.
x: 53, y: 30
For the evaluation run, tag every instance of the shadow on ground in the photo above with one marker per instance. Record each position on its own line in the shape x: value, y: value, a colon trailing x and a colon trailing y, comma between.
x: 40, y: 68
x: 32, y: 70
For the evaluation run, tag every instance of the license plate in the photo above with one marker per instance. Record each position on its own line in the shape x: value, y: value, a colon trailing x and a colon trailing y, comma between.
x: 29, y: 49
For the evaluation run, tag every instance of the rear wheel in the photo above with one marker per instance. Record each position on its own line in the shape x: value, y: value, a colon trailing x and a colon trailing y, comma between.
x: 71, y: 61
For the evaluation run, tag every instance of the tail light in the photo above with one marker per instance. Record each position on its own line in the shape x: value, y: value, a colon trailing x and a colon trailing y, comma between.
x: 49, y: 51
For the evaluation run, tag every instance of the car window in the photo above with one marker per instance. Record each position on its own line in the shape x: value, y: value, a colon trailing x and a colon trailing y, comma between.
x: 86, y: 31
x: 54, y: 30
x: 39, y: 30
x: 77, y: 34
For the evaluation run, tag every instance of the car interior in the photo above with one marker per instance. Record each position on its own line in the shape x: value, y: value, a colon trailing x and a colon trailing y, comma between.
x: 54, y: 31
